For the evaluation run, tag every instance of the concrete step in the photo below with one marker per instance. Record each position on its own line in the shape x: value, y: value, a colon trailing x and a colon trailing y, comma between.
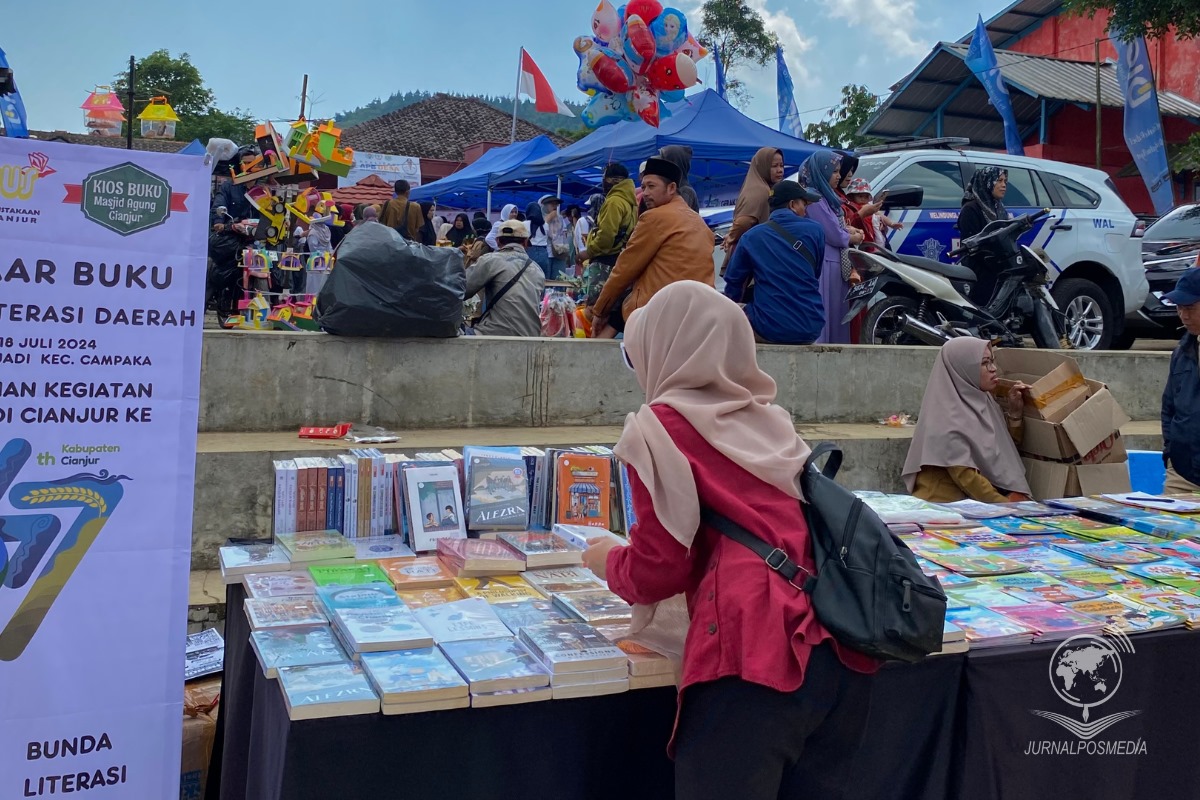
x: 235, y: 480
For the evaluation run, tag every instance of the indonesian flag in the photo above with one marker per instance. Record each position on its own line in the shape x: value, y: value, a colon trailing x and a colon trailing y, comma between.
x: 535, y: 85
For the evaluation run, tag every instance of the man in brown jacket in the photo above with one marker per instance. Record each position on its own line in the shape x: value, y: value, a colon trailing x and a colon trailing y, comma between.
x: 670, y: 243
x: 403, y: 215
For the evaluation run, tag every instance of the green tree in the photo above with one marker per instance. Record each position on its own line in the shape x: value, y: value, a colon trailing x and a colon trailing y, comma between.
x: 840, y: 129
x: 572, y: 135
x: 180, y: 82
x: 1153, y: 18
x: 739, y: 34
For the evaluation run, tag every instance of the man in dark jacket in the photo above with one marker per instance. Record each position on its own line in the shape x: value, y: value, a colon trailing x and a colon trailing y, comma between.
x: 781, y: 259
x: 1181, y: 399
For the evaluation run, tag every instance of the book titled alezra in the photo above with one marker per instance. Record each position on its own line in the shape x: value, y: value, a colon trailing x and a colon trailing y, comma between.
x: 498, y: 489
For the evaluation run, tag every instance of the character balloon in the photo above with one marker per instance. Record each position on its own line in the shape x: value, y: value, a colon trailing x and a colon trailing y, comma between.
x: 648, y: 10
x: 639, y: 43
x: 670, y: 31
x: 673, y: 72
x: 606, y: 25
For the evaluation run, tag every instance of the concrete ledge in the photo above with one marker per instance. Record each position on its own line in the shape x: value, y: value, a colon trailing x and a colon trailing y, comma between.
x: 235, y: 482
x: 272, y: 381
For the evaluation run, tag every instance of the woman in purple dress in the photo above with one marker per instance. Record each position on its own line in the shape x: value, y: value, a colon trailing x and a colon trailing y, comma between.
x: 821, y: 173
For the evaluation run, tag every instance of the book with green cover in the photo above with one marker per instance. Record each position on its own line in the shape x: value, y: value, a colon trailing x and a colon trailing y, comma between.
x: 1037, y: 587
x: 348, y: 574
x: 307, y: 546
x: 1102, y: 579
x: 983, y: 538
x: 1109, y: 553
x: 1121, y: 613
x: 1119, y: 533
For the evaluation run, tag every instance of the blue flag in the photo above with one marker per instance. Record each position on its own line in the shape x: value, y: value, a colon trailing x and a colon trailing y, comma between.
x: 12, y: 109
x: 789, y: 115
x: 1143, y: 125
x: 720, y: 72
x: 981, y: 59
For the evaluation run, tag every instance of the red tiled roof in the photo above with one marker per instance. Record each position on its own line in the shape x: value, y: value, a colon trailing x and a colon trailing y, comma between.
x: 371, y: 190
x: 149, y: 145
x: 440, y: 127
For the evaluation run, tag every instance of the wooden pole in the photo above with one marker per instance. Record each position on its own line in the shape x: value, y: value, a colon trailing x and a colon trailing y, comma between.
x: 303, y: 96
x: 1099, y: 112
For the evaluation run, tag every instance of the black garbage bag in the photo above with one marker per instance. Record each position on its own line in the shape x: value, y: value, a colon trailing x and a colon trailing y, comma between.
x: 384, y: 285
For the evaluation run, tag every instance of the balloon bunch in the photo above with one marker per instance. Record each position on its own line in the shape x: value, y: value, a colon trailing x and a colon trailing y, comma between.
x: 638, y: 58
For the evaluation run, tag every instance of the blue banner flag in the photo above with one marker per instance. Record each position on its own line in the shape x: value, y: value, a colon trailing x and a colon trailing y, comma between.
x: 720, y: 71
x: 1143, y: 125
x: 12, y: 109
x: 789, y: 115
x: 981, y: 59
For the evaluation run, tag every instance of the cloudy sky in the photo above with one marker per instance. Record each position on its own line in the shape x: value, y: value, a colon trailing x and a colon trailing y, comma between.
x: 356, y: 51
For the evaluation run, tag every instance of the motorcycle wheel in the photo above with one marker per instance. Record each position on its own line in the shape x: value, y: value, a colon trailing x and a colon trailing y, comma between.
x: 882, y: 323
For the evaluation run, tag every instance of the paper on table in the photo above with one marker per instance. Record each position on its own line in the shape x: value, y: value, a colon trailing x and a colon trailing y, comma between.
x: 1143, y: 500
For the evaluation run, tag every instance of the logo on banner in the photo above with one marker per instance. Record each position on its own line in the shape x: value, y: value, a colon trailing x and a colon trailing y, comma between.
x: 126, y: 199
x: 1086, y: 672
x: 37, y: 557
x: 17, y: 182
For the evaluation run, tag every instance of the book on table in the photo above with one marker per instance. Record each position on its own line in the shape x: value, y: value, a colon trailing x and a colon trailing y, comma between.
x: 434, y: 504
x: 1103, y: 579
x: 1051, y: 621
x: 284, y: 612
x: 1040, y: 558
x: 975, y: 565
x: 326, y: 690
x: 237, y: 560
x: 579, y: 535
x: 423, y: 598
x: 510, y: 697
x: 583, y: 490
x: 1041, y: 587
x: 307, y: 546
x: 981, y: 595
x: 1169, y: 572
x: 496, y: 665
x: 1119, y: 533
x: 1166, y: 599
x: 1120, y: 613
x: 608, y: 675
x: 986, y: 628
x: 373, y: 630
x: 973, y: 509
x: 366, y: 595
x: 498, y: 588
x: 1018, y: 526
x: 571, y: 647
x: 591, y: 689
x: 597, y: 607
x: 541, y: 549
x: 295, y: 647
x: 478, y: 557
x: 373, y: 548
x: 420, y: 572
x: 1030, y: 508
x: 279, y: 584
x: 563, y: 580
x: 523, y: 613
x: 1184, y: 550
x: 981, y: 537
x: 497, y: 488
x: 348, y: 574
x: 1109, y: 553
x: 415, y: 675
x: 472, y: 618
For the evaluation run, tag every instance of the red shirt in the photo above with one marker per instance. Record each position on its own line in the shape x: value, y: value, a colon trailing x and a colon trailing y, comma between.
x: 746, y: 621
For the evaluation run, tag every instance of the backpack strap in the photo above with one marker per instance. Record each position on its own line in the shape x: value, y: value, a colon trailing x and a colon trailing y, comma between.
x: 797, y: 245
x: 832, y: 465
x: 774, y: 557
x: 503, y: 291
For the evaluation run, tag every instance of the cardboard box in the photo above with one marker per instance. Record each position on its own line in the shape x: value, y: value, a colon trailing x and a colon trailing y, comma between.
x: 1057, y: 387
x: 1051, y: 479
x: 200, y: 700
x: 1089, y: 426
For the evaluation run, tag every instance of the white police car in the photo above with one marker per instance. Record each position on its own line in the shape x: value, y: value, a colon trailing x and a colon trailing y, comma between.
x: 1091, y: 236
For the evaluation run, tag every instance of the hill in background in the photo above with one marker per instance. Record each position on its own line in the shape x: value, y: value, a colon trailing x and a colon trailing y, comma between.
x: 571, y: 126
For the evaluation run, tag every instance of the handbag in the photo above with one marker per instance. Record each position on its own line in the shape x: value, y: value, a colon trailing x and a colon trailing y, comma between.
x: 868, y: 590
x: 503, y: 291
x: 797, y: 245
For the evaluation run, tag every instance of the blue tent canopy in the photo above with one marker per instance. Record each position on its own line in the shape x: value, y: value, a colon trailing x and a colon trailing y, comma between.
x: 723, y: 140
x: 468, y: 188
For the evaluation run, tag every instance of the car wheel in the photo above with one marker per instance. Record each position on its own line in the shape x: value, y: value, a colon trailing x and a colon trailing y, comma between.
x: 1090, y: 317
x: 882, y: 325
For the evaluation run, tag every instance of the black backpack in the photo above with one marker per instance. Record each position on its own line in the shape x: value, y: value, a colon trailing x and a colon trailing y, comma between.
x: 868, y: 590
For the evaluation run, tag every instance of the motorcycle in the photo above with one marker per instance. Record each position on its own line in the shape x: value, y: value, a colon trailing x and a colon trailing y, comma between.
x: 914, y: 300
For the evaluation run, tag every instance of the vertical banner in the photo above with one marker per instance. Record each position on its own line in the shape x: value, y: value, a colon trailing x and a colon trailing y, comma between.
x: 981, y: 60
x: 1143, y: 124
x: 101, y: 308
x: 789, y: 115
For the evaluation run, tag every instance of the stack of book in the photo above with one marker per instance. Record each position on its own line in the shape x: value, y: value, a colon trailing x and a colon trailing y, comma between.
x: 350, y: 574
x: 295, y: 647
x: 581, y: 661
x: 986, y: 628
x: 415, y: 680
x: 499, y: 671
x: 284, y: 612
x: 498, y: 588
x: 596, y: 607
x: 1052, y: 622
x: 523, y: 613
x: 461, y: 620
x: 1109, y: 553
x: 326, y: 690
x: 647, y: 668
x: 420, y: 572
x: 542, y: 549
x: 954, y: 639
x: 1125, y: 615
x: 271, y: 585
x: 1036, y: 587
x: 349, y: 493
x: 380, y: 629
x: 468, y: 558
x: 243, y: 559
x: 562, y: 581
x: 322, y: 546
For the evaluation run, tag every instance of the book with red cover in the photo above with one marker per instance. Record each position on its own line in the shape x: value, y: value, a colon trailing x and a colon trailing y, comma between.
x: 583, y: 486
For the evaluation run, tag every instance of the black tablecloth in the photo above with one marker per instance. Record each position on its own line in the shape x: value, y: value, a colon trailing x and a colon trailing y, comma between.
x: 950, y: 728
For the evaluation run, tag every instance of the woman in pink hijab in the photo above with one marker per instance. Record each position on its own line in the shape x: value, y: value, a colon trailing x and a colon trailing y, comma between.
x: 769, y: 704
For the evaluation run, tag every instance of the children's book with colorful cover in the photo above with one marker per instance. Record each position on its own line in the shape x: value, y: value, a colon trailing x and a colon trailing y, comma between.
x: 583, y: 490
x: 348, y: 574
x: 1169, y: 572
x: 1165, y: 526
x: 373, y: 630
x: 1184, y: 550
x: 472, y: 618
x: 1109, y: 553
x: 1052, y: 621
x: 894, y: 508
x: 1073, y: 523
x: 563, y: 579
x: 284, y: 612
x: 980, y: 595
x: 1030, y: 509
x: 571, y: 647
x: 986, y: 628
x: 523, y: 613
x: 366, y: 595
x: 267, y: 585
x: 307, y: 546
x: 1119, y: 613
x: 928, y: 545
x: 295, y: 647
x: 413, y: 675
x: 1119, y: 533
x: 326, y: 690
x: 1181, y: 603
x: 978, y: 565
x: 498, y: 588
x: 1018, y: 526
x: 240, y: 559
x: 1048, y: 539
x: 497, y: 665
x: 1102, y: 579
x: 373, y: 548
x: 983, y: 538
x: 930, y: 568
x: 421, y: 572
x: 497, y: 489
x: 543, y: 549
x: 423, y: 598
x: 434, y: 504
x: 1040, y: 558
x: 597, y: 607
x: 1034, y: 587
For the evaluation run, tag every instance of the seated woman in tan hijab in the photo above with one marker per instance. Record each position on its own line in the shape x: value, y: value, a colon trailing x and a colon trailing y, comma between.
x: 770, y: 705
x: 964, y: 445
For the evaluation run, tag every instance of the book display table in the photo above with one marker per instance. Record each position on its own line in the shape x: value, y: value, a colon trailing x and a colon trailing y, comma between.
x: 956, y: 727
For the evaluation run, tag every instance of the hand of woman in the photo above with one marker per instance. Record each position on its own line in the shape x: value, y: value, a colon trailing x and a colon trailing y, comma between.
x: 1016, y: 399
x: 595, y: 557
x: 856, y: 236
x: 855, y: 279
